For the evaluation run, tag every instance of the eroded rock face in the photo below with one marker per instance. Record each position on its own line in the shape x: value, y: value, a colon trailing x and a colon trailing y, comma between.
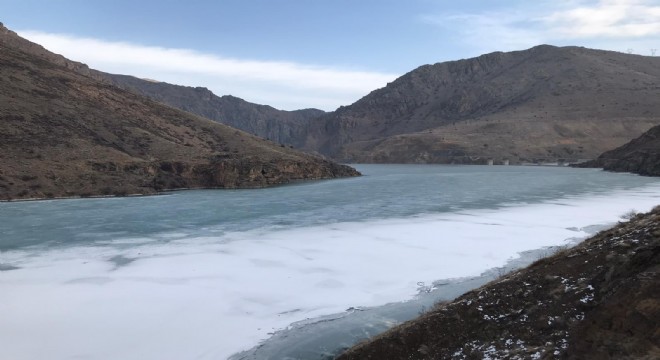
x: 284, y: 127
x: 65, y: 133
x: 639, y: 156
x: 244, y: 173
x: 598, y: 300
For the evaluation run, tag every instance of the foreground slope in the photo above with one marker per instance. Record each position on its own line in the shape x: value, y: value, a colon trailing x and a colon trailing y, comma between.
x: 63, y: 132
x: 285, y: 127
x: 543, y: 104
x: 598, y: 300
x: 639, y: 156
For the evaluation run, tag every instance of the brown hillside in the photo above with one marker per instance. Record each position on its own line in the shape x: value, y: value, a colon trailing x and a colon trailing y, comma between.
x: 285, y: 127
x: 599, y: 300
x: 65, y: 133
x: 546, y: 103
x: 639, y: 156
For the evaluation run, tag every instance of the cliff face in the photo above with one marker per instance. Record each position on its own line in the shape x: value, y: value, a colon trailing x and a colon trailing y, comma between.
x: 599, y: 300
x: 285, y: 127
x: 66, y: 132
x: 545, y: 103
x: 639, y: 156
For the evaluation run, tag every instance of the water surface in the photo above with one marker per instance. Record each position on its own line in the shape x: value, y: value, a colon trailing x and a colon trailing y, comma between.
x: 205, y: 274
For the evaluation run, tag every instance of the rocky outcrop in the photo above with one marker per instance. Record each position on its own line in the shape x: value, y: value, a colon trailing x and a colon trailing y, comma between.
x: 284, y: 127
x: 640, y: 156
x: 11, y: 39
x: 243, y: 173
x: 598, y: 300
x: 545, y: 104
x: 65, y: 133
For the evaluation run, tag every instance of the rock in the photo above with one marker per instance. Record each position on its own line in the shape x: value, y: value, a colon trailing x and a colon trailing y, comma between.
x: 283, y: 127
x: 640, y: 156
x: 545, y: 104
x: 65, y: 131
x: 598, y: 300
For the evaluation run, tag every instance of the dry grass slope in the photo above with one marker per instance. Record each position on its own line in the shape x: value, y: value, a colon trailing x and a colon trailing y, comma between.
x: 64, y: 133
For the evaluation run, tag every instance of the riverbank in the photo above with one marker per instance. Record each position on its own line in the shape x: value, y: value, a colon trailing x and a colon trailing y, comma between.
x: 328, y: 336
x: 599, y: 299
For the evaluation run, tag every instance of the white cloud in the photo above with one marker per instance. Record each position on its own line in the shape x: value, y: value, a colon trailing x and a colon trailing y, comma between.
x: 285, y: 85
x: 607, y: 24
x: 485, y: 32
x: 607, y: 18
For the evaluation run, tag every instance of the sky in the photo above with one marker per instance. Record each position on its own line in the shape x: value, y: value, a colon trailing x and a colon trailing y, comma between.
x: 294, y: 54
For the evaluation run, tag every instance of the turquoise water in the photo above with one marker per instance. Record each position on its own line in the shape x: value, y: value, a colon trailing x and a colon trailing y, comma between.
x: 385, y: 191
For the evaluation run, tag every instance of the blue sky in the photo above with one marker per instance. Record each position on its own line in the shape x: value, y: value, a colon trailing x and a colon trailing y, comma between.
x: 311, y: 53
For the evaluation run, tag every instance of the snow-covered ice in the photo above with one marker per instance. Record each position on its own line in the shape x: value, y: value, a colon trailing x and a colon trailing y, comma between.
x: 209, y: 297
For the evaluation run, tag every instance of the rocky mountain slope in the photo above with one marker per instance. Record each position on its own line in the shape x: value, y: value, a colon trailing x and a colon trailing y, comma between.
x: 285, y: 127
x: 598, y: 300
x: 64, y: 132
x: 639, y: 156
x: 546, y: 103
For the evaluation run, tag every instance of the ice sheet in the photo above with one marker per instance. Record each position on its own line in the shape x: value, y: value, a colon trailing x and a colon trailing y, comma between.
x: 210, y: 297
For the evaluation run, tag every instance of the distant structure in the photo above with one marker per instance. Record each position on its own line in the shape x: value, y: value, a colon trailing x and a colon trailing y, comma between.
x: 630, y: 50
x: 653, y: 52
x: 505, y: 162
x: 490, y: 162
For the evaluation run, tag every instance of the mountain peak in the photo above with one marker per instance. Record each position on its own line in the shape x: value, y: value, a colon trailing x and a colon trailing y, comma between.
x: 543, y: 104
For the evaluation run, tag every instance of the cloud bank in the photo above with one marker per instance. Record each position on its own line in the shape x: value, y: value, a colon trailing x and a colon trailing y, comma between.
x: 617, y: 25
x: 285, y: 85
x: 607, y: 18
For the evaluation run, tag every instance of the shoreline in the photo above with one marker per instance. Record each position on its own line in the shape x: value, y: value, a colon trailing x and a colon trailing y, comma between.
x: 327, y: 336
x: 594, y: 300
x: 168, y: 191
x: 298, y: 181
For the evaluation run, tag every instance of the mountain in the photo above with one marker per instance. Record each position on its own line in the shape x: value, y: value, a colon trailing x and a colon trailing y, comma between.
x: 639, y: 156
x: 285, y: 127
x: 65, y: 131
x: 598, y: 300
x: 543, y: 104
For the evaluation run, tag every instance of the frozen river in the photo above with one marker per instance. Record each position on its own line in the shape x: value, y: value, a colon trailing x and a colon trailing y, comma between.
x: 207, y: 274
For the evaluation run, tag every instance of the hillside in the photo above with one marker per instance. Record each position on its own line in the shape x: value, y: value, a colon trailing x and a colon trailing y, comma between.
x: 639, y: 156
x: 546, y: 103
x: 598, y: 300
x: 285, y: 127
x: 64, y: 132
